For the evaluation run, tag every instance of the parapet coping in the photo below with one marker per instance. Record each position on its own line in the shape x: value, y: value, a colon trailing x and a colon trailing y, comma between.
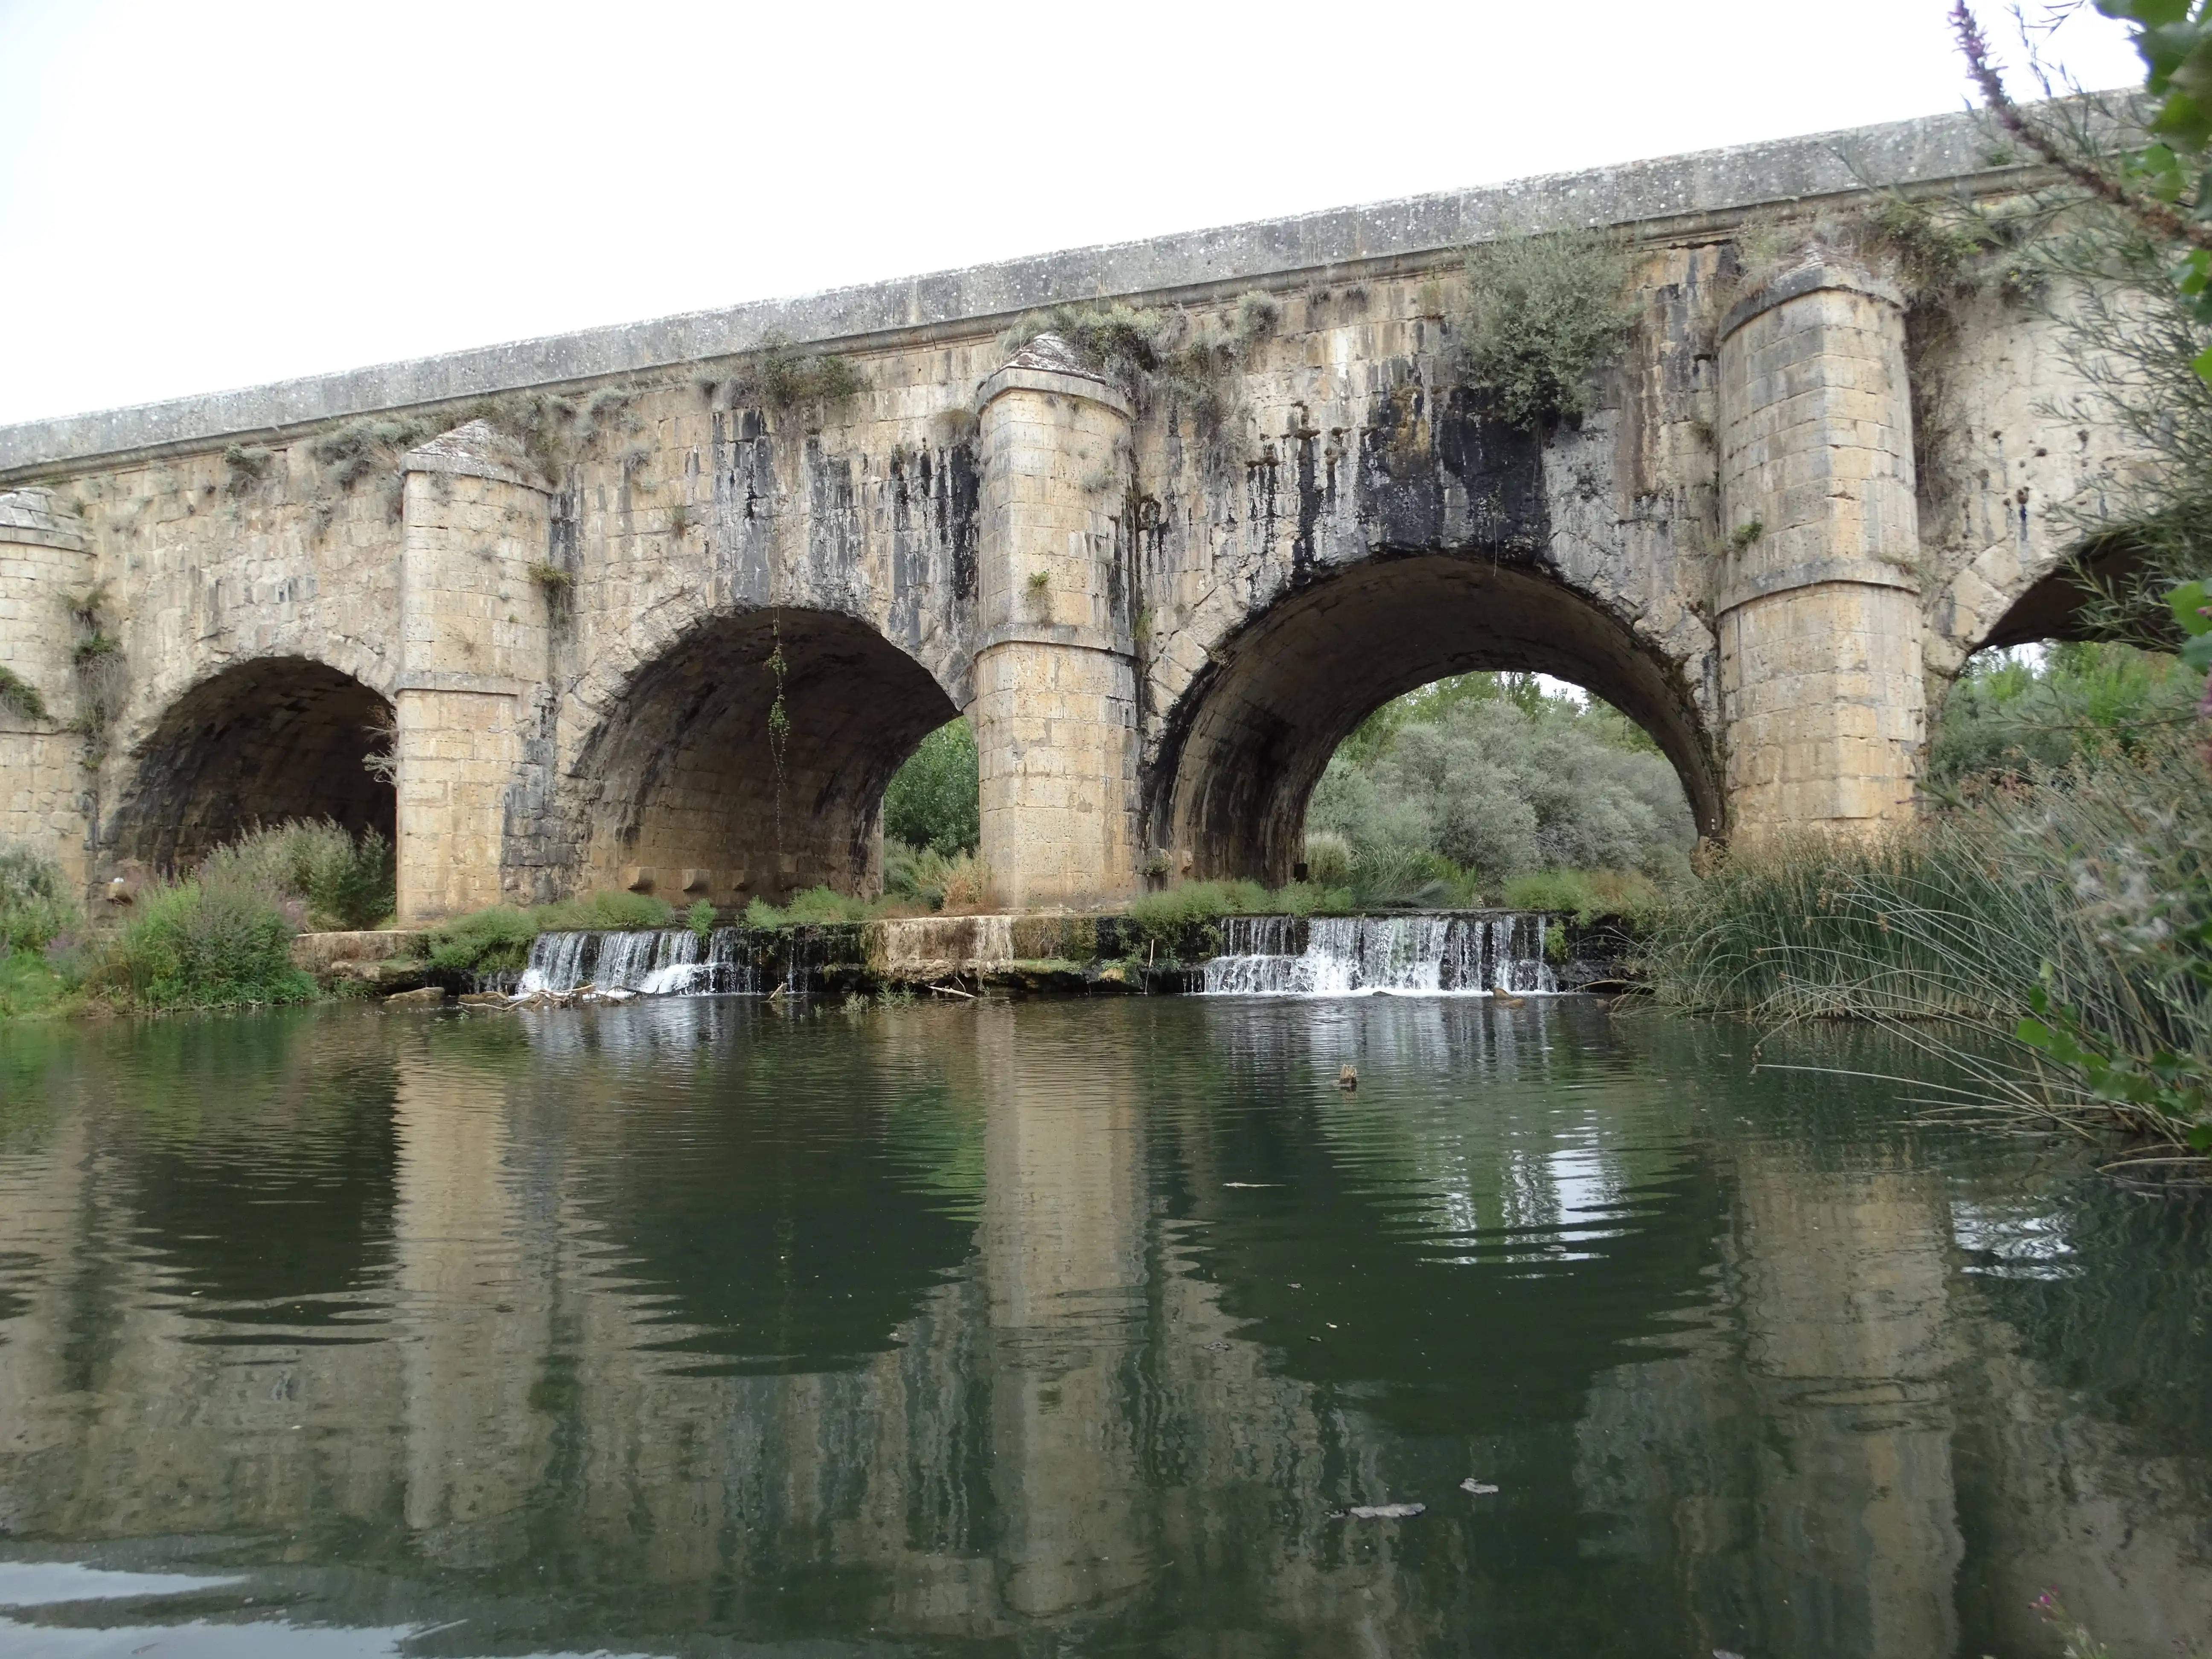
x: 1673, y: 196
x: 1812, y: 277
x: 1093, y: 387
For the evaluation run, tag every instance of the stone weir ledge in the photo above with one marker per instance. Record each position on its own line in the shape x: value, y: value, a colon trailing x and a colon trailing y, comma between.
x: 1006, y: 954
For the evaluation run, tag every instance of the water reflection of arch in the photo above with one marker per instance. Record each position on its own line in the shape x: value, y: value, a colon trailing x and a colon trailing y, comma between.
x: 685, y: 768
x: 1245, y: 744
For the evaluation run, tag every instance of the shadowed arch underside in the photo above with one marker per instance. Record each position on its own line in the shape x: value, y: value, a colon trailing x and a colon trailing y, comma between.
x: 2060, y: 606
x: 276, y: 739
x: 681, y: 779
x: 1249, y: 740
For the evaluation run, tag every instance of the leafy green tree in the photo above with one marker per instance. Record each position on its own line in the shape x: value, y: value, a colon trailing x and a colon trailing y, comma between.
x: 1492, y: 775
x: 2006, y: 714
x: 931, y: 801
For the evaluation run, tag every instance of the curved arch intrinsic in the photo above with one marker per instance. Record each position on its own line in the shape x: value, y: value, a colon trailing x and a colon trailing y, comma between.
x: 681, y: 774
x: 258, y: 743
x: 1245, y: 746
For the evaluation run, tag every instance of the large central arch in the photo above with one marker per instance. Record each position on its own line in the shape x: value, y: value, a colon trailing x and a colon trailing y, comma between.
x: 682, y: 778
x: 1245, y: 745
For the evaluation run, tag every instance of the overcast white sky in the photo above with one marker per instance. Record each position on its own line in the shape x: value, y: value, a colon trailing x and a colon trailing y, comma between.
x: 199, y: 196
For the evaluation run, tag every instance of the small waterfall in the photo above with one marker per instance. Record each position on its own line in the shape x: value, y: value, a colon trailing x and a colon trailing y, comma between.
x: 651, y: 962
x: 1442, y: 954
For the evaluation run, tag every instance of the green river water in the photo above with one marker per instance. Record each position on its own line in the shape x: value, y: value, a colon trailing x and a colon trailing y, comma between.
x: 698, y: 1328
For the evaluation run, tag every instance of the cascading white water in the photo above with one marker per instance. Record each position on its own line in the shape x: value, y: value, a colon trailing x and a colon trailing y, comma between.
x: 1447, y: 955
x: 652, y: 962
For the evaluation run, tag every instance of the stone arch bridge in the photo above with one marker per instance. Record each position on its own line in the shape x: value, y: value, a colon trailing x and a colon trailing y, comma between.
x: 662, y: 606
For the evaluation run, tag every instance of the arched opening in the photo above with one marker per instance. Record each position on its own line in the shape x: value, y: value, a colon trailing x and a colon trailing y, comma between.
x: 276, y: 739
x: 2082, y: 658
x: 689, y: 789
x: 1251, y: 739
x: 2062, y: 606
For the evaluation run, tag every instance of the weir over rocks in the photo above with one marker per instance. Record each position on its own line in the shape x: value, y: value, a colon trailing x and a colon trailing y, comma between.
x: 516, y: 608
x: 1467, y: 954
x: 1481, y: 954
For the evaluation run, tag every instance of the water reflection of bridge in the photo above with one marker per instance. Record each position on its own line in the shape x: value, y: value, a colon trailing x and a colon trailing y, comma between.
x: 514, y: 1317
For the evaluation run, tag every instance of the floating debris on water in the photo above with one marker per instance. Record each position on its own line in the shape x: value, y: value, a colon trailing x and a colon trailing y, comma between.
x: 1386, y: 1511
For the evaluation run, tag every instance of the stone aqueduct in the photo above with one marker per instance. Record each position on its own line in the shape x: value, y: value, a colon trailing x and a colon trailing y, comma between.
x: 1159, y: 624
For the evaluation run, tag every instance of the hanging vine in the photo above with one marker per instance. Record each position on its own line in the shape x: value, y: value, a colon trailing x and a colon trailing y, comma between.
x: 778, y: 726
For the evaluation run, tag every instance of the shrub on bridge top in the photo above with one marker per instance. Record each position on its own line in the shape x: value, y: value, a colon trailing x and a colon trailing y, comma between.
x: 209, y: 943
x: 343, y: 882
x: 1543, y: 315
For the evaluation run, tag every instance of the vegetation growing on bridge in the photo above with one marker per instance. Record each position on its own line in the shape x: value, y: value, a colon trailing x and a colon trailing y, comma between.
x: 96, y: 665
x: 1541, y: 317
x: 1183, y: 358
x: 18, y: 696
x: 785, y: 378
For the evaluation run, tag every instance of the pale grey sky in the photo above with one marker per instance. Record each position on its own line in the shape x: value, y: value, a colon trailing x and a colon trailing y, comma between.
x: 199, y: 196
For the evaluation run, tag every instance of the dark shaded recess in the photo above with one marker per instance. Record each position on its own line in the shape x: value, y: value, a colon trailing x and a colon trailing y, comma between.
x: 1417, y: 449
x: 681, y: 771
x: 830, y: 1199
x: 2052, y: 608
x: 276, y: 1183
x: 276, y: 739
x: 1247, y: 741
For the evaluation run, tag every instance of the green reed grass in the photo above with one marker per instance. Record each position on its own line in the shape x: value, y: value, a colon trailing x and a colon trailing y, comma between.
x: 2084, y: 889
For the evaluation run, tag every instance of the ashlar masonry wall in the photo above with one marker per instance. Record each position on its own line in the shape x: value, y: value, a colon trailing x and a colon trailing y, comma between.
x: 548, y: 586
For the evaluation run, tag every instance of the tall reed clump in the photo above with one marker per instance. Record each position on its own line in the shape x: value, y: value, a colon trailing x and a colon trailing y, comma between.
x: 2063, y: 919
x: 343, y: 882
x: 954, y: 884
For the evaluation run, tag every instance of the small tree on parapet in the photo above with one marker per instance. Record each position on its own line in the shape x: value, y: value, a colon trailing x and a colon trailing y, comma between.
x: 1543, y: 314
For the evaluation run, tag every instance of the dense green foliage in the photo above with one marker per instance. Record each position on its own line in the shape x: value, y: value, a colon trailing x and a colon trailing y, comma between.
x: 205, y: 943
x: 935, y: 880
x: 498, y: 940
x: 2011, y: 711
x: 343, y: 883
x: 35, y: 906
x: 2075, y: 900
x: 814, y: 905
x: 931, y: 801
x: 1543, y: 315
x: 1449, y: 792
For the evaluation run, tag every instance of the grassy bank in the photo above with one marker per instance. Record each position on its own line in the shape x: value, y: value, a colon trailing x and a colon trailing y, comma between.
x: 220, y: 939
x: 2048, y: 931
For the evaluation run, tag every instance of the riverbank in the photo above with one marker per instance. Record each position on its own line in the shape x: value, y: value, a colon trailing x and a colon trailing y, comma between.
x: 2047, y: 934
